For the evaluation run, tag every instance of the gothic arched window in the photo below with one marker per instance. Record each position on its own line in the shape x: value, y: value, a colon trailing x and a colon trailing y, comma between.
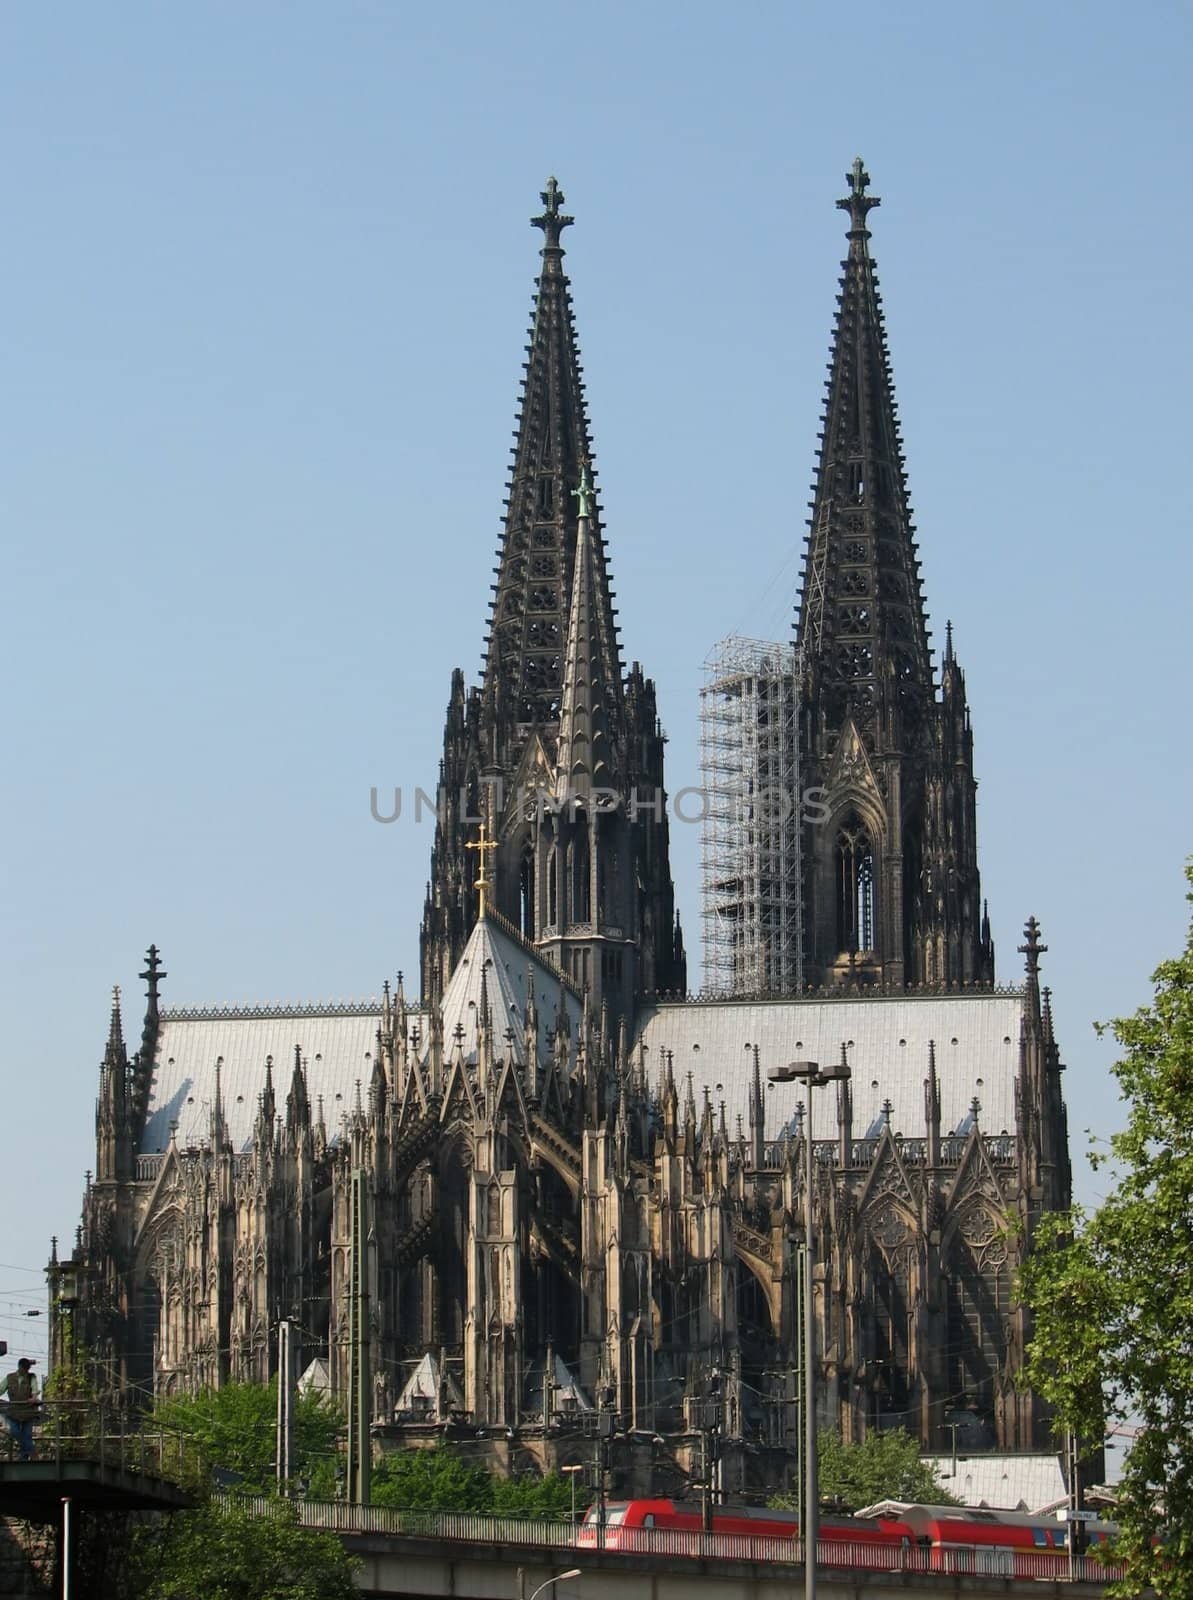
x: 856, y: 910
x: 581, y: 871
x: 526, y: 895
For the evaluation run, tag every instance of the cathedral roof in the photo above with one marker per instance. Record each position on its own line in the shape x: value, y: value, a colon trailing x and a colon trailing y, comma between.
x: 505, y: 966
x: 886, y: 1039
x: 337, y: 1043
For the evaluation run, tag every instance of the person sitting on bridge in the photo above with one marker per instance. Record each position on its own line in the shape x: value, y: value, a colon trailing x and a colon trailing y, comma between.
x: 20, y: 1389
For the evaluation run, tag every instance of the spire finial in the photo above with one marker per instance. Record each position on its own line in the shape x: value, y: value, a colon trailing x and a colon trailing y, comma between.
x: 1032, y: 948
x: 115, y: 1029
x: 857, y: 202
x: 153, y: 973
x: 552, y: 221
x: 484, y: 847
x: 583, y: 495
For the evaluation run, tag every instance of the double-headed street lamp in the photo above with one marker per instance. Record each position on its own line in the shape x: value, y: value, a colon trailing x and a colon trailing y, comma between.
x: 815, y: 1077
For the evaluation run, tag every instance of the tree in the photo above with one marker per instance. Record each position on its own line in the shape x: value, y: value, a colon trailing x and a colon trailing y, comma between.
x: 431, y: 1480
x: 1112, y: 1292
x: 235, y: 1428
x: 225, y: 1552
x: 438, y: 1480
x: 885, y: 1466
x: 547, y: 1499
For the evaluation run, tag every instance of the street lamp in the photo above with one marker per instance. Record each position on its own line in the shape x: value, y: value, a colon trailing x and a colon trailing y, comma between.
x: 571, y: 1472
x: 560, y: 1577
x: 815, y: 1077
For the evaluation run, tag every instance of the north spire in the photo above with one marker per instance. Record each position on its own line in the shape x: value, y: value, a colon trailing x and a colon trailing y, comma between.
x: 862, y: 624
x: 892, y: 892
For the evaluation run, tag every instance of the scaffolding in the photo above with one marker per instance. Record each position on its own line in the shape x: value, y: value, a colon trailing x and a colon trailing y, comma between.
x: 750, y: 848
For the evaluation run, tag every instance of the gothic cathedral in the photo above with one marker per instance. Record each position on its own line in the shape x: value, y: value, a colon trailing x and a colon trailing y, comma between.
x: 584, y: 1188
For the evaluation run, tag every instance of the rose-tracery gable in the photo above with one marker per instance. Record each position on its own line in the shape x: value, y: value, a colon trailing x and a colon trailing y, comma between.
x: 889, y: 1226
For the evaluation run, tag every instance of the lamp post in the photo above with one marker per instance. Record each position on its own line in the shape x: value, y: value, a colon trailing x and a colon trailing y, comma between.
x: 571, y: 1472
x: 560, y: 1577
x: 815, y: 1077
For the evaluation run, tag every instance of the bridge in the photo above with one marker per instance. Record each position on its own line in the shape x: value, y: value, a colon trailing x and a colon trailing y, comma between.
x: 410, y: 1555
x: 84, y: 1453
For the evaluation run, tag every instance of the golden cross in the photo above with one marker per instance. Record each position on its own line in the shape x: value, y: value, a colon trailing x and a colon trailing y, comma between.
x: 484, y: 846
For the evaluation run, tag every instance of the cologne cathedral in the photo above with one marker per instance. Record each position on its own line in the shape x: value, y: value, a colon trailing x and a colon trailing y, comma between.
x: 584, y: 1188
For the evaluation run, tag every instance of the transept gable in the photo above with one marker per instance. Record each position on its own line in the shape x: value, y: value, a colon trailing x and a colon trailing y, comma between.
x: 976, y: 1182
x: 888, y: 1188
x: 459, y: 1097
x: 166, y: 1196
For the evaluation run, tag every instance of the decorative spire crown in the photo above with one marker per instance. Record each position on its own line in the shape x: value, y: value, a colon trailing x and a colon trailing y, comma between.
x: 1032, y: 948
x: 552, y: 221
x: 583, y: 494
x: 857, y: 202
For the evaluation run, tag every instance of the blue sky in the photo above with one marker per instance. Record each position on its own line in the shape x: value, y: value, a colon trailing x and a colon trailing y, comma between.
x: 267, y: 276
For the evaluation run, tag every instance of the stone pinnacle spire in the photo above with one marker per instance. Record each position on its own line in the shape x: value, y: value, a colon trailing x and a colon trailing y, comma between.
x: 862, y: 620
x: 524, y: 665
x: 583, y: 761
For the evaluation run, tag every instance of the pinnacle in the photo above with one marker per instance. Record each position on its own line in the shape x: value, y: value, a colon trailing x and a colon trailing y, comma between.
x: 552, y: 221
x: 857, y: 202
x: 550, y: 488
x: 862, y: 618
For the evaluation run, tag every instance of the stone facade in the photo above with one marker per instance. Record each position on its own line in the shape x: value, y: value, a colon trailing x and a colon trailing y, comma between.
x: 583, y: 1212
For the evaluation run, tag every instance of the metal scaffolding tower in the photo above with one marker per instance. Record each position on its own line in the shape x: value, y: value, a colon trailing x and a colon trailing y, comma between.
x: 750, y: 855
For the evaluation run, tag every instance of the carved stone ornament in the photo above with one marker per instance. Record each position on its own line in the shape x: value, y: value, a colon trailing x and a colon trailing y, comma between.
x: 888, y: 1228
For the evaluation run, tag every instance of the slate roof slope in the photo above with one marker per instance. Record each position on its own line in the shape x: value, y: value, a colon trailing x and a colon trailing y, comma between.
x: 886, y: 1039
x: 336, y: 1042
x: 509, y: 967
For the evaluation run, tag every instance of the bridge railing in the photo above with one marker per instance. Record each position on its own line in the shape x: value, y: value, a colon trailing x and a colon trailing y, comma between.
x: 859, y: 1555
x: 90, y: 1430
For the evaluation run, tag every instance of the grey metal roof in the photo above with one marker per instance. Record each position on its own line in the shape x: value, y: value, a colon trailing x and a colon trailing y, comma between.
x: 337, y: 1045
x: 886, y: 1040
x: 509, y: 966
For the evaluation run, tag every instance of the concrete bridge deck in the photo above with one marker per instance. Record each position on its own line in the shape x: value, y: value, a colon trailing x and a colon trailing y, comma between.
x: 419, y: 1555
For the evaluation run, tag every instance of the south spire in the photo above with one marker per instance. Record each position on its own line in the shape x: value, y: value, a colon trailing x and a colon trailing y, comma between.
x: 558, y: 753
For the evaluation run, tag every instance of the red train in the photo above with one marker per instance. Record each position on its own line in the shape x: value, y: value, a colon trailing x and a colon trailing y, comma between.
x: 954, y: 1539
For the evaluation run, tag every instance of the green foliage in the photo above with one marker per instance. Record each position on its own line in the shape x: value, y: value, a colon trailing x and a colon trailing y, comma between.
x: 885, y: 1466
x: 1112, y: 1292
x: 439, y: 1480
x: 546, y: 1499
x: 431, y: 1480
x: 73, y: 1422
x: 224, y: 1552
x: 235, y: 1428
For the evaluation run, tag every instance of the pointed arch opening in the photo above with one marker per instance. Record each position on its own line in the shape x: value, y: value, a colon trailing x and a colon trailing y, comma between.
x: 581, y: 871
x: 856, y: 888
x: 526, y: 894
